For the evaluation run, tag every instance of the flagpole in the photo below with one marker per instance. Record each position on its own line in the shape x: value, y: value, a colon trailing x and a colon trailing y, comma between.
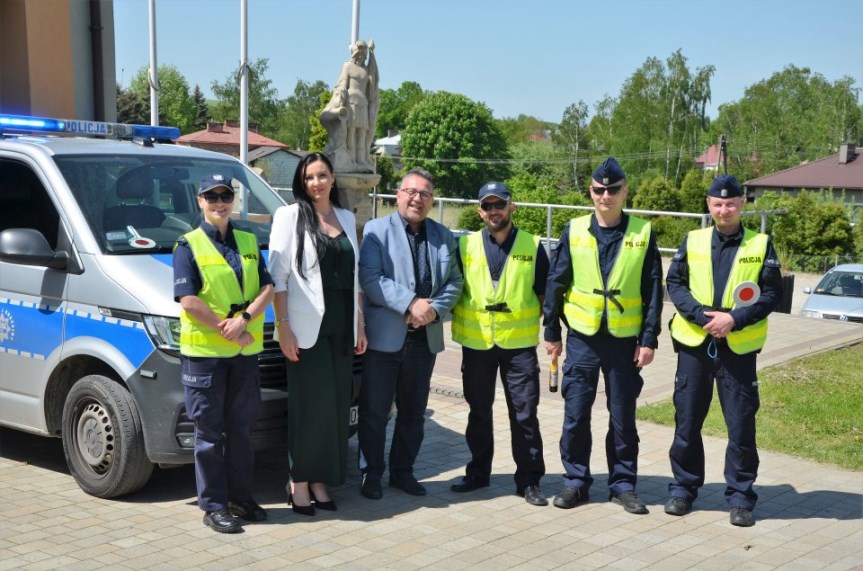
x: 244, y: 82
x: 153, y: 74
x: 355, y: 24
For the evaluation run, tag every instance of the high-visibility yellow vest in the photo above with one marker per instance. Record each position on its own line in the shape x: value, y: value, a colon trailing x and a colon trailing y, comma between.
x: 583, y: 306
x: 747, y: 268
x: 221, y: 290
x: 515, y: 325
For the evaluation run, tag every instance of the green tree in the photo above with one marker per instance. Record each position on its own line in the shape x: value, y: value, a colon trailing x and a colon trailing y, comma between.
x: 264, y: 104
x: 657, y: 194
x: 522, y: 129
x: 541, y: 189
x: 693, y: 191
x: 571, y: 135
x: 389, y: 177
x: 296, y: 122
x: 540, y: 158
x: 793, y: 116
x: 814, y: 232
x: 318, y: 135
x: 202, y: 110
x: 131, y: 108
x: 457, y: 140
x: 659, y: 118
x: 396, y: 105
x: 176, y: 106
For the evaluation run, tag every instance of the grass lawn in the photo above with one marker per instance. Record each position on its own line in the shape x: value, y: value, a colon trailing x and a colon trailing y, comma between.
x: 811, y: 407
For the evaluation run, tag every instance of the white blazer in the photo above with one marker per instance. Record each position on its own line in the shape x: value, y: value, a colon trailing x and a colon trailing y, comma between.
x: 305, y: 296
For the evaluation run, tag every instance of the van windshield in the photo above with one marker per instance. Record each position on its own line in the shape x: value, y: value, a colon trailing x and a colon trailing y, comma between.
x: 140, y: 204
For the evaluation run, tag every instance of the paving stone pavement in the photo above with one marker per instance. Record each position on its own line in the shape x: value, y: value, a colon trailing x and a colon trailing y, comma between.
x: 809, y: 515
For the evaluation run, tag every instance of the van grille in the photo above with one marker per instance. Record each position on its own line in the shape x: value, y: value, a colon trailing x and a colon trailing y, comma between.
x: 271, y: 362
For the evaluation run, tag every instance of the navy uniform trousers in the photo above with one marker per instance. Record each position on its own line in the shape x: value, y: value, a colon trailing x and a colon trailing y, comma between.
x: 737, y: 386
x: 586, y: 356
x: 223, y: 399
x: 519, y: 372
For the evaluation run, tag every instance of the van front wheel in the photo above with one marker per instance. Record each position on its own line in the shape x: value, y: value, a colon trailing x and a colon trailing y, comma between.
x: 103, y: 439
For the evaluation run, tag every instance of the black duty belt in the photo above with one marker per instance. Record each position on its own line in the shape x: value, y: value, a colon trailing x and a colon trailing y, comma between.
x: 499, y: 307
x: 238, y: 308
x: 609, y: 295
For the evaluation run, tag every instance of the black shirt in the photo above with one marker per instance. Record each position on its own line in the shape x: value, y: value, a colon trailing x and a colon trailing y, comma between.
x: 418, y: 242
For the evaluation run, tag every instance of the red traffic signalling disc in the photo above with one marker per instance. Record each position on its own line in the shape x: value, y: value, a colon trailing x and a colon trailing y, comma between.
x: 746, y: 293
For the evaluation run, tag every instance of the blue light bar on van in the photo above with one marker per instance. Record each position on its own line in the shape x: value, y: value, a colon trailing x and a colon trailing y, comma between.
x: 87, y: 128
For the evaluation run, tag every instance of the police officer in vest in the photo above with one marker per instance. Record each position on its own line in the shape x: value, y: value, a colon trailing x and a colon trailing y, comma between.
x: 605, y: 283
x: 720, y: 325
x: 496, y: 321
x: 223, y: 287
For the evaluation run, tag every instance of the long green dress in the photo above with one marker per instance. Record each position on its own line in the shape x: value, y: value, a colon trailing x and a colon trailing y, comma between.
x: 319, y: 384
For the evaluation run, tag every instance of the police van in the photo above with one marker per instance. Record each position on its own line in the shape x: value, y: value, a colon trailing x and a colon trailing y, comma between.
x: 89, y: 329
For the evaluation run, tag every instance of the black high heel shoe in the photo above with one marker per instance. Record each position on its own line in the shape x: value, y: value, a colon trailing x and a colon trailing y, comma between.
x: 329, y: 506
x: 302, y: 510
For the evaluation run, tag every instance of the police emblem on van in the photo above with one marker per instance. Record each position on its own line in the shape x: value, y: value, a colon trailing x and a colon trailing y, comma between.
x: 7, y: 326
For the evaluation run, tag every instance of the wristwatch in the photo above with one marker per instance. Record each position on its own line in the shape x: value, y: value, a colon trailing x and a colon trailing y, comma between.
x: 246, y: 315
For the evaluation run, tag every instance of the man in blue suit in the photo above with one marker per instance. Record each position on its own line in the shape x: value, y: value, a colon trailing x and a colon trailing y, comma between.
x: 409, y: 272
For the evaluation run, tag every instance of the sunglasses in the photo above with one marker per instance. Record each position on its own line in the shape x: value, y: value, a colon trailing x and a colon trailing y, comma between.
x: 600, y: 190
x: 214, y: 197
x: 489, y: 206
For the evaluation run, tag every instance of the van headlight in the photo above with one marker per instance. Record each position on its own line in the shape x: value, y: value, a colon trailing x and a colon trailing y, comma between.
x: 810, y: 313
x: 164, y: 332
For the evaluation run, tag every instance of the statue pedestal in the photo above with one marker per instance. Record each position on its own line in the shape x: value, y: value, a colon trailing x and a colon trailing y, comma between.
x: 354, y: 189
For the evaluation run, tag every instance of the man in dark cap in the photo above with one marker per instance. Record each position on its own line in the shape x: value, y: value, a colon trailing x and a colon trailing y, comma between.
x: 496, y: 321
x: 723, y: 281
x: 605, y: 282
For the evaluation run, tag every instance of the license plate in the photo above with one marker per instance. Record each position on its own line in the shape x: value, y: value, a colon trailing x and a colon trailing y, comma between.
x: 354, y: 417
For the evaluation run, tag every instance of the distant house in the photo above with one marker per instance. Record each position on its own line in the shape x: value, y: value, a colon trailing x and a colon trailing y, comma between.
x: 841, y: 174
x: 709, y: 160
x: 278, y: 166
x: 276, y: 161
x: 389, y: 146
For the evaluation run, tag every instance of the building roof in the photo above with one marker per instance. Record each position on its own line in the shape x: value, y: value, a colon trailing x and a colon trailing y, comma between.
x: 710, y: 157
x: 829, y: 172
x: 394, y: 140
x: 262, y: 152
x: 227, y: 133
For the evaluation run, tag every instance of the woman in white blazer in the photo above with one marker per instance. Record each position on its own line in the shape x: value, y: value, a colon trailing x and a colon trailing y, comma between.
x: 320, y: 326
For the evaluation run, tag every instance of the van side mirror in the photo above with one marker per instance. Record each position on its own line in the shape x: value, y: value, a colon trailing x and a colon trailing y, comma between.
x: 807, y: 290
x: 28, y: 247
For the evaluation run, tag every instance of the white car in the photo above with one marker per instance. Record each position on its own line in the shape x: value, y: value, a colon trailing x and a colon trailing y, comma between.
x: 839, y: 295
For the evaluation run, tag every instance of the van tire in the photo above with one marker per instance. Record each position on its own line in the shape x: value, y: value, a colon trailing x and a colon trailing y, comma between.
x: 103, y: 439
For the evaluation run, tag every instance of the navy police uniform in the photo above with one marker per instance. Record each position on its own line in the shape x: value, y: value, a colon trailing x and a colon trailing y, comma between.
x: 222, y: 393
x: 587, y: 355
x: 519, y: 371
x: 697, y: 367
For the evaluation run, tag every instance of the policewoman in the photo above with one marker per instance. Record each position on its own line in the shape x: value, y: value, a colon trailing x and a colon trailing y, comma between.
x: 496, y: 321
x: 605, y: 283
x: 223, y: 287
x: 723, y: 281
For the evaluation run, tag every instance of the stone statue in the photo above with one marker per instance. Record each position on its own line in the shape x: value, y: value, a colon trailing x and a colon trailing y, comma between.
x: 352, y: 112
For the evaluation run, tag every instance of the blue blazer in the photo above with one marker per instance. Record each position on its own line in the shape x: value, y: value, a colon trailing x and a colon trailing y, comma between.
x: 386, y: 272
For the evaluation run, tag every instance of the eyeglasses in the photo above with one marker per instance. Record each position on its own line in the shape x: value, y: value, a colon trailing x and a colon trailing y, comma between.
x: 489, y: 206
x: 423, y: 194
x: 611, y: 190
x: 214, y: 197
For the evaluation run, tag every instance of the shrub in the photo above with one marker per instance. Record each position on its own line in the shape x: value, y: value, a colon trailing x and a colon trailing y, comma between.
x: 816, y: 227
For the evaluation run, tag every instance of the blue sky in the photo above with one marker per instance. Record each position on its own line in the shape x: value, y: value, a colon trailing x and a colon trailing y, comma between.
x: 533, y: 57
